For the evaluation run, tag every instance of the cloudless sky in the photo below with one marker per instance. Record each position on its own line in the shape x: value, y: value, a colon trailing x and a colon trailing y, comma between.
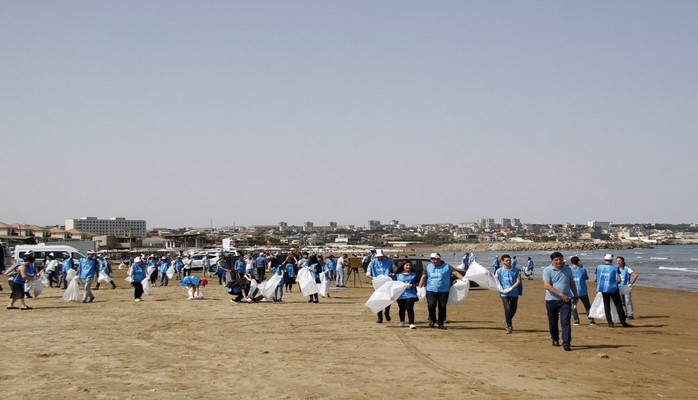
x: 187, y: 113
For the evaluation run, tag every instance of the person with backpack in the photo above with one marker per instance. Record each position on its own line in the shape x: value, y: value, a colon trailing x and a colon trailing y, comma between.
x: 20, y: 274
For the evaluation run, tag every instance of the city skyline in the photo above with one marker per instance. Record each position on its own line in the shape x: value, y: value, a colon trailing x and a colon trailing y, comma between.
x: 180, y: 112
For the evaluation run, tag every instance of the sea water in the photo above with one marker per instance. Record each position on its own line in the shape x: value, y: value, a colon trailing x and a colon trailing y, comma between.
x: 663, y: 266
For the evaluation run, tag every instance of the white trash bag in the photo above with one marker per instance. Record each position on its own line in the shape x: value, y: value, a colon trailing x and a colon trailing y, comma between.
x: 70, y: 275
x: 459, y: 291
x: 380, y: 280
x: 324, y: 285
x: 386, y: 294
x: 170, y: 271
x: 44, y: 278
x: 479, y: 274
x: 597, y: 310
x: 37, y: 286
x: 421, y: 292
x: 306, y: 282
x: 103, y: 277
x: 146, y: 286
x: 72, y: 293
x: 270, y: 286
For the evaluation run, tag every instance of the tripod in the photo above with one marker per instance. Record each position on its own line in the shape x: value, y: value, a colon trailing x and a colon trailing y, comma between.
x: 354, y: 272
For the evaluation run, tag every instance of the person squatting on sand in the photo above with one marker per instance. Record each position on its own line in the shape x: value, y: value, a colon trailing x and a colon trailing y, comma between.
x: 580, y: 279
x: 437, y: 280
x: 511, y: 287
x: 607, y: 279
x: 137, y: 274
x: 381, y: 265
x: 558, y: 281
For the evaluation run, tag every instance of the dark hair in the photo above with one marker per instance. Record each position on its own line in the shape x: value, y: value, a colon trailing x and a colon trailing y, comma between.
x: 621, y: 258
x: 574, y: 260
x: 555, y: 255
x: 504, y: 256
x: 402, y: 267
x: 312, y: 260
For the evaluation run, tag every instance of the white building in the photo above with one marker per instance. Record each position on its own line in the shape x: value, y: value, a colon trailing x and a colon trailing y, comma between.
x: 116, y: 226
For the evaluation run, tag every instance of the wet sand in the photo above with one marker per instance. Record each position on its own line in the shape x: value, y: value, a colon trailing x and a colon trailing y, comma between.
x: 168, y: 347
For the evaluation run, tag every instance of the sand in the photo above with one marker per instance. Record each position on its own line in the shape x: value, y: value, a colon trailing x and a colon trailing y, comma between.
x: 168, y: 347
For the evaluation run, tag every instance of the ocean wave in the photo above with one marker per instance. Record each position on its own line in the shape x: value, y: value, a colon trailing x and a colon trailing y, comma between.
x: 678, y: 269
x: 659, y: 258
x: 694, y: 259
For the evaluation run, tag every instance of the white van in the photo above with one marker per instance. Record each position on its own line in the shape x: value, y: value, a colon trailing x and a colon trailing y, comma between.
x: 41, y: 250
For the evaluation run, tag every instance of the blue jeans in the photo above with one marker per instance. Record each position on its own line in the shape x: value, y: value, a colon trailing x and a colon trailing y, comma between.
x: 559, y: 310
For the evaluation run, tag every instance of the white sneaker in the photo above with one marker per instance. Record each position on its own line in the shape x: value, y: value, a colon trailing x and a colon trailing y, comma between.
x: 413, y: 326
x: 402, y: 324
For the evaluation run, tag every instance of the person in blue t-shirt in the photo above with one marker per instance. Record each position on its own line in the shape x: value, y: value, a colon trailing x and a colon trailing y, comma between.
x: 627, y: 278
x: 239, y: 267
x: 279, y: 269
x: 25, y: 273
x: 529, y: 270
x: 290, y: 273
x: 192, y: 284
x: 164, y: 265
x: 405, y: 273
x: 261, y: 264
x: 381, y: 265
x: 437, y: 280
x: 495, y: 263
x: 509, y: 279
x: 105, y: 267
x: 607, y: 278
x: 67, y: 266
x: 558, y: 281
x: 87, y: 272
x: 315, y: 267
x: 179, y: 266
x: 580, y: 279
x: 137, y: 273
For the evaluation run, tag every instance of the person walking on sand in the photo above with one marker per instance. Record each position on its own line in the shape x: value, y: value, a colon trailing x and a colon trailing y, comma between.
x: 509, y: 280
x: 26, y: 272
x: 627, y: 280
x: 87, y: 272
x: 66, y: 266
x: 137, y: 273
x: 436, y: 277
x: 289, y: 273
x: 381, y: 265
x: 528, y: 270
x: 51, y: 267
x: 405, y: 303
x: 607, y: 278
x: 580, y: 279
x: 164, y: 265
x: 558, y: 281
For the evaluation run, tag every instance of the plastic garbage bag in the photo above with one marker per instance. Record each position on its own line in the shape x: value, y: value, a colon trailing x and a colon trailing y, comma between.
x: 386, y: 294
x: 149, y: 270
x: 479, y: 274
x: 72, y: 293
x: 37, y: 286
x: 324, y: 285
x: 103, y: 277
x: 421, y: 292
x: 459, y: 291
x: 228, y: 276
x: 146, y: 286
x: 70, y: 275
x: 597, y: 310
x: 253, y: 286
x: 270, y: 286
x: 170, y: 271
x: 380, y: 280
x: 44, y: 278
x: 306, y: 282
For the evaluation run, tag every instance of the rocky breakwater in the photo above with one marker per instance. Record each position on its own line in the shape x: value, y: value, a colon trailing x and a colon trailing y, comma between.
x: 538, y: 246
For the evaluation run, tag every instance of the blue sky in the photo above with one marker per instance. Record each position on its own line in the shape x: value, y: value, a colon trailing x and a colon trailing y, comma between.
x: 182, y: 113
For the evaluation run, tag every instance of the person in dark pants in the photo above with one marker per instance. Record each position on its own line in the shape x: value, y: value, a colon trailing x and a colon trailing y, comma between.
x: 137, y: 274
x: 558, y: 281
x: 509, y: 280
x: 607, y: 278
x: 405, y: 273
x: 437, y: 278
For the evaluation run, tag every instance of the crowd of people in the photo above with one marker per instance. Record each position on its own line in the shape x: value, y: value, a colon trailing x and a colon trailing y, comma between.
x: 244, y: 278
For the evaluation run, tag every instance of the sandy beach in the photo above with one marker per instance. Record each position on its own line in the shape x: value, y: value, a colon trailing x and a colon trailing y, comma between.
x: 168, y: 347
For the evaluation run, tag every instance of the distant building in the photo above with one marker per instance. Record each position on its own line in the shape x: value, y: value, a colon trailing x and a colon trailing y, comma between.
x: 599, y: 224
x: 505, y: 223
x: 116, y: 226
x: 374, y: 225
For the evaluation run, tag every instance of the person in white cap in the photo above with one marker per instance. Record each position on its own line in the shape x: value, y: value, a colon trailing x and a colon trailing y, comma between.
x: 607, y: 278
x: 137, y: 273
x: 51, y: 265
x: 381, y: 265
x: 87, y: 272
x: 437, y: 279
x: 67, y: 265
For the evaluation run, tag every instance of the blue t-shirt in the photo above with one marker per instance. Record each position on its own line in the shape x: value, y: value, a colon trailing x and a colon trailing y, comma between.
x: 559, y: 279
x: 507, y: 279
x: 30, y: 270
x: 606, y: 278
x: 438, y: 278
x: 190, y: 280
x: 88, y: 268
x: 625, y: 275
x: 279, y: 270
x: 240, y: 266
x: 290, y: 270
x: 381, y: 267
x: 67, y: 265
x: 580, y: 278
x: 411, y: 278
x: 138, y: 272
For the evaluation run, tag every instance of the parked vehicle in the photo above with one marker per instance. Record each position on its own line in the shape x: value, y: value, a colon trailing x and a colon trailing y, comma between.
x: 7, y: 260
x: 42, y: 250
